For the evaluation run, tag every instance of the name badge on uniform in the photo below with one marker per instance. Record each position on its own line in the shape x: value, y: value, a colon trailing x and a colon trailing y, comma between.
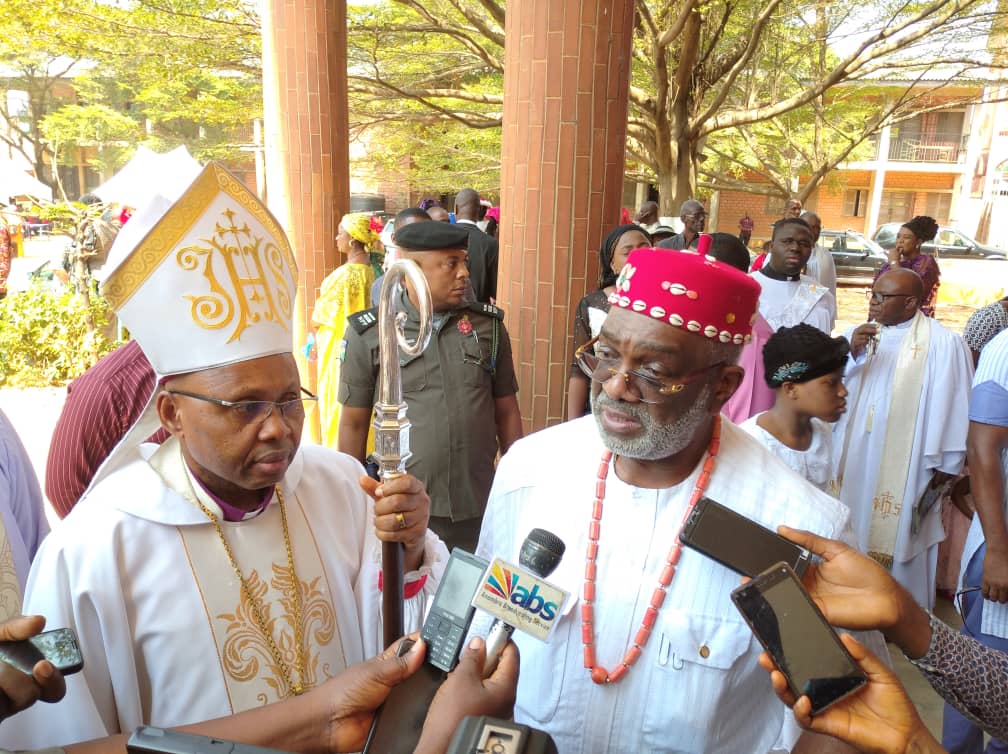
x: 342, y: 350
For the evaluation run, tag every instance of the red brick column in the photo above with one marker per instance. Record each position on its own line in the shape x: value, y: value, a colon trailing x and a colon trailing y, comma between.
x: 307, y: 137
x: 567, y: 71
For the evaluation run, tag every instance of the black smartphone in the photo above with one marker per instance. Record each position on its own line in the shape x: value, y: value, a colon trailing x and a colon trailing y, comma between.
x: 451, y: 612
x: 739, y: 542
x: 59, y: 646
x: 795, y: 634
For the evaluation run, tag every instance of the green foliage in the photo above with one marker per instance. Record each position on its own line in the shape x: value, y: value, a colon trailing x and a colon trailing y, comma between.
x: 44, y: 338
x: 426, y: 93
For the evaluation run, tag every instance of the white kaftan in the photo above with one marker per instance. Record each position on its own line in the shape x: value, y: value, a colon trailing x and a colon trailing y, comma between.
x: 814, y: 464
x: 696, y: 687
x: 939, y: 443
x: 139, y: 571
x: 786, y: 303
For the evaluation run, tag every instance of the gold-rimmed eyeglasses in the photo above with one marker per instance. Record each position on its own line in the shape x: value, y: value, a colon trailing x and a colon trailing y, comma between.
x: 646, y: 388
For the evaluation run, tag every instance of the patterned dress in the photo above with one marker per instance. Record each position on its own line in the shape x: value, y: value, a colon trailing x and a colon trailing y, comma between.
x: 969, y: 676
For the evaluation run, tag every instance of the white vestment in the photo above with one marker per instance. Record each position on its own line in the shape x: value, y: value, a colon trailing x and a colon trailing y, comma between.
x: 139, y: 571
x: 822, y: 269
x: 696, y: 686
x: 815, y: 464
x: 786, y: 303
x: 939, y: 443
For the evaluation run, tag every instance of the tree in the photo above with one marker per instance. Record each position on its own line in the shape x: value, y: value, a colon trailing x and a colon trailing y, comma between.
x: 186, y: 71
x: 705, y: 72
x: 426, y: 90
x: 79, y: 126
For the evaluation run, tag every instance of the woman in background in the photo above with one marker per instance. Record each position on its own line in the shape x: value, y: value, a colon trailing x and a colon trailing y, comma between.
x: 345, y: 291
x: 593, y: 308
x: 907, y: 253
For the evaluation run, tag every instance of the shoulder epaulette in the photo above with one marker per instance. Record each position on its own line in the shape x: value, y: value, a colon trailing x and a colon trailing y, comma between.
x: 488, y: 309
x: 361, y: 321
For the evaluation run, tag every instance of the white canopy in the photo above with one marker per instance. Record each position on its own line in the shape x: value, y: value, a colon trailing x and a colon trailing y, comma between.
x: 14, y: 181
x: 138, y: 180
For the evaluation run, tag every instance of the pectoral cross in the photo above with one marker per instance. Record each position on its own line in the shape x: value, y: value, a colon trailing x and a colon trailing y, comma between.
x: 915, y: 348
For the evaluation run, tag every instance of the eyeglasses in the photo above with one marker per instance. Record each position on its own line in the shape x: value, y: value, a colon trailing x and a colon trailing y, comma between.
x: 645, y: 388
x: 958, y: 599
x: 256, y: 412
x: 881, y: 298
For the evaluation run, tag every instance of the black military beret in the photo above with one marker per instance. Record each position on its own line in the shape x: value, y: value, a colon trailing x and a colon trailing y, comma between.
x: 431, y: 236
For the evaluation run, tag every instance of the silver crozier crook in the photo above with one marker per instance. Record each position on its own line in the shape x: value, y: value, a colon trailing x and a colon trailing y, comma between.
x: 391, y: 426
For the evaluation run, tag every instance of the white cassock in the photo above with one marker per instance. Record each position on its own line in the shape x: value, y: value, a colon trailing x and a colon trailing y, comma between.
x: 141, y: 574
x: 786, y: 303
x: 822, y: 269
x: 938, y: 444
x: 696, y: 687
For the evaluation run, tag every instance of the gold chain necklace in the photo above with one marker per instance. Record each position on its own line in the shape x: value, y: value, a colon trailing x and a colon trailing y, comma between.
x: 299, y: 659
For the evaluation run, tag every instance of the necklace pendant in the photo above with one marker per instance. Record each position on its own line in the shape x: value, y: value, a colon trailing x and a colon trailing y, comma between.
x: 600, y: 675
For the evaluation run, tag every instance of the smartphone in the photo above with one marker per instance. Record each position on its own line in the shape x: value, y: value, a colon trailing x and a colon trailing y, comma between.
x: 738, y: 542
x: 795, y: 634
x: 148, y: 740
x: 59, y: 646
x: 451, y: 612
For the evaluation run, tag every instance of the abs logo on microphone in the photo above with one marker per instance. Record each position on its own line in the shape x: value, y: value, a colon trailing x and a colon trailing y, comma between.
x: 520, y: 598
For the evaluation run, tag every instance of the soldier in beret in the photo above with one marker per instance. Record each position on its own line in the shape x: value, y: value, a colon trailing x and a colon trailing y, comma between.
x: 461, y: 391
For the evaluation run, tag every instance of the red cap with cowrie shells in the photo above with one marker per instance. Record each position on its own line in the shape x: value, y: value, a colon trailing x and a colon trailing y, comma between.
x: 689, y: 290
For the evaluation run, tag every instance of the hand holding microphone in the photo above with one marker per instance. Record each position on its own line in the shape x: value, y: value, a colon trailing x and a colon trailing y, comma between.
x: 521, y: 598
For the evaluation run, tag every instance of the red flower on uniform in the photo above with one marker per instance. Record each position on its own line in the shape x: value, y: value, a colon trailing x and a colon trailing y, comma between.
x: 464, y: 325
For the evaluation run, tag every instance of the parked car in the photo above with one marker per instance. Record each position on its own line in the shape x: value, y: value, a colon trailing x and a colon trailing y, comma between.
x: 949, y: 243
x: 856, y: 257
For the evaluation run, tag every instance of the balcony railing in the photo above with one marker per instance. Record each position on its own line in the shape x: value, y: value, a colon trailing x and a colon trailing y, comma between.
x: 937, y: 147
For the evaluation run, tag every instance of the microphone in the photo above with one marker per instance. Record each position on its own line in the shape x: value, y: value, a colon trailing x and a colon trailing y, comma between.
x: 511, y: 601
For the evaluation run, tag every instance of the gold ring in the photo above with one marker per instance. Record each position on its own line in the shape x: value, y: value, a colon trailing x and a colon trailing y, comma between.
x: 400, y: 517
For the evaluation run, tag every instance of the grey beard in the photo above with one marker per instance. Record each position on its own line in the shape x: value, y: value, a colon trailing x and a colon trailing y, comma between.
x: 657, y: 441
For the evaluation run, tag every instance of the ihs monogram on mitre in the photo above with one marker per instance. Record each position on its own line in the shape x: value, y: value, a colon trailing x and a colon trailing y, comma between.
x: 253, y: 287
x: 216, y: 264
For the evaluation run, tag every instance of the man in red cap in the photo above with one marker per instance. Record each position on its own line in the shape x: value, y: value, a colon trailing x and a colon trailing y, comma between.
x: 649, y: 653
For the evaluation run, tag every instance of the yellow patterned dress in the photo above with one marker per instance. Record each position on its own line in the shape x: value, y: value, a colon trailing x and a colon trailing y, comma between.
x: 345, y: 291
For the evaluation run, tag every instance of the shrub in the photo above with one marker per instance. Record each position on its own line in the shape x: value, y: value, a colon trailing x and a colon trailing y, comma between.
x: 45, y: 338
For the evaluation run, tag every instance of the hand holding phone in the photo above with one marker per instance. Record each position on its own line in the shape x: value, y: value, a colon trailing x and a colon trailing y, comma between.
x: 803, y: 646
x: 20, y: 686
x: 881, y: 717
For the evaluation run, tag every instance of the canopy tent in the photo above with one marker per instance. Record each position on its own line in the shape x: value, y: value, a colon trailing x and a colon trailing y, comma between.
x: 138, y: 180
x: 14, y: 181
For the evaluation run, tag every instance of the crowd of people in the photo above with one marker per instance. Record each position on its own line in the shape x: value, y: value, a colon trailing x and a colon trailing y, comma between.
x: 223, y: 575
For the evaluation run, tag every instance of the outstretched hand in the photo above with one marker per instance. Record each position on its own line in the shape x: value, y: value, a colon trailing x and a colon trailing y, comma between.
x: 19, y: 691
x: 467, y: 692
x: 355, y: 694
x: 877, y: 719
x: 856, y: 593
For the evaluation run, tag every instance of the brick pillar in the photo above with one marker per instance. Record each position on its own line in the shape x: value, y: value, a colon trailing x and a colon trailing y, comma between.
x: 307, y: 138
x: 567, y: 71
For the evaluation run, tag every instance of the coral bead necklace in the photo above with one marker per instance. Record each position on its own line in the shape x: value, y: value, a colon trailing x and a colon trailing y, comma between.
x: 598, y: 673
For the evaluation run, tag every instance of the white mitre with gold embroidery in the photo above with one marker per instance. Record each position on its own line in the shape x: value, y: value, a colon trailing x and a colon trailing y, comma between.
x: 202, y: 277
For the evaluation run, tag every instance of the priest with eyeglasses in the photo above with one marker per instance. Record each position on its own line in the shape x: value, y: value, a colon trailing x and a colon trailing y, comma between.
x: 231, y: 566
